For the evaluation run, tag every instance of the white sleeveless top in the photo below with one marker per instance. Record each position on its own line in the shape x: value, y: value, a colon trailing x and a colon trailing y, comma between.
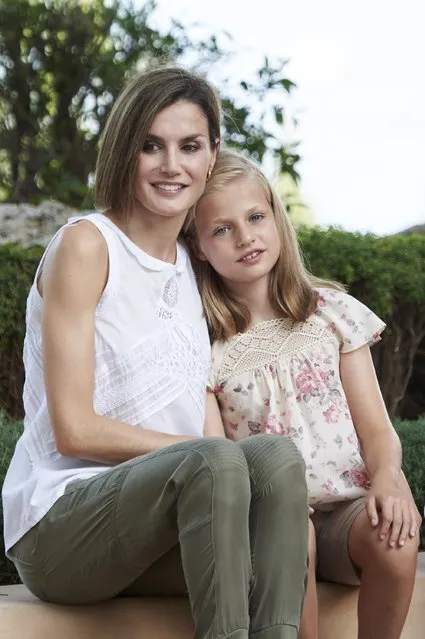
x: 152, y: 364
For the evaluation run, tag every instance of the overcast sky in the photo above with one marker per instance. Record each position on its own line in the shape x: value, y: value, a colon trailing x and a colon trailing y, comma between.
x: 360, y: 102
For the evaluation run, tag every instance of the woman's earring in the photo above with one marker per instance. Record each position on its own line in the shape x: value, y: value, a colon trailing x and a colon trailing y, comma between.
x: 209, y: 174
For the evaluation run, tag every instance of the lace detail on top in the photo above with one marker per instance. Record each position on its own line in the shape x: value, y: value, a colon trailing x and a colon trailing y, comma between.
x: 171, y: 363
x: 170, y: 292
x: 166, y: 310
x: 282, y: 377
x: 269, y: 342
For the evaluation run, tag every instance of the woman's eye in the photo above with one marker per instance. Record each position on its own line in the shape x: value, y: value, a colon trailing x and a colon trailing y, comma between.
x: 150, y: 147
x: 192, y: 147
x: 256, y: 217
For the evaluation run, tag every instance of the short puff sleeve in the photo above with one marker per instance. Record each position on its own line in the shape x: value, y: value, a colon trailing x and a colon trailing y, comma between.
x: 217, y: 351
x: 354, y: 323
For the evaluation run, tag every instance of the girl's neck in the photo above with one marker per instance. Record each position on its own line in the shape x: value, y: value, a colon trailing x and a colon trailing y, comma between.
x: 155, y: 236
x: 257, y: 297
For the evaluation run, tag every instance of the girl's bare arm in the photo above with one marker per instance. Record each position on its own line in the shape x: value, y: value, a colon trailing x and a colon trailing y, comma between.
x: 390, y: 499
x: 213, y: 423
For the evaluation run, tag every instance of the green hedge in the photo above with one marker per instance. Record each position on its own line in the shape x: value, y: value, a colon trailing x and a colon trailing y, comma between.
x: 385, y: 273
x: 9, y: 434
x: 412, y: 435
x: 17, y: 269
x: 388, y: 275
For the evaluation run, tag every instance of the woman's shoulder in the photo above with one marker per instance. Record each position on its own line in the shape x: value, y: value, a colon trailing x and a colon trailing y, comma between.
x: 82, y: 239
x: 79, y: 252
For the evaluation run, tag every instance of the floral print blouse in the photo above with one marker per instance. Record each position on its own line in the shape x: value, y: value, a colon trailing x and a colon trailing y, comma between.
x: 283, y: 377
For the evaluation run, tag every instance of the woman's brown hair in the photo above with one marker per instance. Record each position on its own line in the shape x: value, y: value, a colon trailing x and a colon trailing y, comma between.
x: 128, y: 124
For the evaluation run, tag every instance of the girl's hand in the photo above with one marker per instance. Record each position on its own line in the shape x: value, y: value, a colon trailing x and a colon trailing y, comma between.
x: 395, y: 507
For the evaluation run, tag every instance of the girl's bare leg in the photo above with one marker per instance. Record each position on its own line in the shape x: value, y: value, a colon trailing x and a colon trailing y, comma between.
x: 310, y: 617
x: 387, y: 580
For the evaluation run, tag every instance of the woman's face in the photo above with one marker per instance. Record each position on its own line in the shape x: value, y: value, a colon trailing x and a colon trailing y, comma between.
x: 174, y: 162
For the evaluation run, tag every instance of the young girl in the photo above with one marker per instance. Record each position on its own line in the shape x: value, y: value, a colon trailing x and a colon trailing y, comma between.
x: 291, y: 357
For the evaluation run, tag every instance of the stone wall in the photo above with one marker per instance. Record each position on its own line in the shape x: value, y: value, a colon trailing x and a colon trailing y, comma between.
x: 27, y: 224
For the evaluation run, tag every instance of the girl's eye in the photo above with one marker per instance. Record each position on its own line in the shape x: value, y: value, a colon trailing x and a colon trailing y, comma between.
x: 257, y: 217
x: 150, y: 147
x: 221, y: 231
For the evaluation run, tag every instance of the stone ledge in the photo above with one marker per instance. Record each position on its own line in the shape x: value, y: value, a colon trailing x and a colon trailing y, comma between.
x: 22, y: 616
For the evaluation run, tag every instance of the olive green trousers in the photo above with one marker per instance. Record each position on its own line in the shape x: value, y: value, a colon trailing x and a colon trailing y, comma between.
x: 224, y: 522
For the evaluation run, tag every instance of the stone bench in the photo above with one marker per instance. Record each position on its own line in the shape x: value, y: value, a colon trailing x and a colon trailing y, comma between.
x: 22, y: 616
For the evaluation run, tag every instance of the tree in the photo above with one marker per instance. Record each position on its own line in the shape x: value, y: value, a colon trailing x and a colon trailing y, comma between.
x: 288, y: 190
x: 63, y: 62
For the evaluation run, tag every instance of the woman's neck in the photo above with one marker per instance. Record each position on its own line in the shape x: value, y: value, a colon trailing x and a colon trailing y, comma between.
x: 155, y: 236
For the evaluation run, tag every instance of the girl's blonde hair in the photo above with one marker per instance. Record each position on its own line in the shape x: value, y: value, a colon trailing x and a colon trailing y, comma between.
x: 292, y: 287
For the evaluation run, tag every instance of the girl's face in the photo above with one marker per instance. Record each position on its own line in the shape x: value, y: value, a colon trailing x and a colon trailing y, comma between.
x: 237, y: 233
x: 174, y: 161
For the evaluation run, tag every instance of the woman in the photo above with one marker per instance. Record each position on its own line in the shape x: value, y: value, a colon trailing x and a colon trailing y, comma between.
x: 112, y: 484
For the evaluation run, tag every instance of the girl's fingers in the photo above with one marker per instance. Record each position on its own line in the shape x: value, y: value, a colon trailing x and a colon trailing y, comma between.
x: 416, y: 519
x: 407, y: 523
x: 397, y: 523
x: 371, y: 510
x: 386, y: 517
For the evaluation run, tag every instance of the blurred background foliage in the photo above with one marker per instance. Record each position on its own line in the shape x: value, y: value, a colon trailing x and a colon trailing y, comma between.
x: 62, y: 64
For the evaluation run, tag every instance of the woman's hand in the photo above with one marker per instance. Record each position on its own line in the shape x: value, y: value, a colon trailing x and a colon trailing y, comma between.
x: 392, y: 506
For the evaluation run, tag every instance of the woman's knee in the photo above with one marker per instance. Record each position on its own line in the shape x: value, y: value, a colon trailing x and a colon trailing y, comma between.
x: 272, y: 457
x: 225, y: 473
x: 221, y: 455
x: 274, y: 450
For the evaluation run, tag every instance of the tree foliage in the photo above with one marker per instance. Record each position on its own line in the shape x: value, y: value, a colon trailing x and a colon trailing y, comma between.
x: 386, y: 273
x: 288, y: 190
x: 62, y: 64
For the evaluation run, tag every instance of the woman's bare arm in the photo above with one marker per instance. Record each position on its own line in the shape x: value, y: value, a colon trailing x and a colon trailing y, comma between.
x: 72, y: 281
